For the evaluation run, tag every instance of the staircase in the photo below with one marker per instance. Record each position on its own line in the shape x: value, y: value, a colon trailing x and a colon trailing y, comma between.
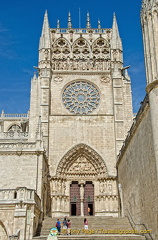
x: 98, y: 224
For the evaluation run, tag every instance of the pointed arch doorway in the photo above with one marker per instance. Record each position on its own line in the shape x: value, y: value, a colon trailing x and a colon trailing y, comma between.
x: 80, y: 169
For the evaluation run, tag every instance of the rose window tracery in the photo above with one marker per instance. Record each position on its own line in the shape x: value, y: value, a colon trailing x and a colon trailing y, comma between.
x: 81, y: 97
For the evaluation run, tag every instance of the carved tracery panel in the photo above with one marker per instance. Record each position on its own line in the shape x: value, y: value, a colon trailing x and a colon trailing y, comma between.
x: 100, y: 48
x: 81, y: 49
x: 15, y: 128
x: 101, y: 54
x: 60, y: 53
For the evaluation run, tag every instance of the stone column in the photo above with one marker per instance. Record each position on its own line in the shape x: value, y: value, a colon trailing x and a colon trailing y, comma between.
x: 82, y: 197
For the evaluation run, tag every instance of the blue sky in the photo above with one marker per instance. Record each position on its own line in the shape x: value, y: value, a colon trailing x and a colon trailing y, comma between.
x: 20, y: 29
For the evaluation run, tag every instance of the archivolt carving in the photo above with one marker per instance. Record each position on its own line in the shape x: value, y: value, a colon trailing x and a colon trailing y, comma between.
x: 81, y: 162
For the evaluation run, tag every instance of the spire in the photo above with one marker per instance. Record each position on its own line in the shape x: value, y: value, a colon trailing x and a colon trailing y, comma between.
x: 116, y: 42
x: 88, y: 25
x: 69, y: 21
x: 45, y: 36
x: 58, y: 23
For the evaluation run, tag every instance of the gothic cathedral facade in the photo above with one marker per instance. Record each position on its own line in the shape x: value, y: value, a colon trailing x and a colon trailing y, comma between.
x: 60, y: 158
x: 85, y: 108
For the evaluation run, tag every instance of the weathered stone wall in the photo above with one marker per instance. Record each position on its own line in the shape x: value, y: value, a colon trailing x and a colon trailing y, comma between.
x: 18, y: 171
x: 94, y: 131
x: 138, y: 177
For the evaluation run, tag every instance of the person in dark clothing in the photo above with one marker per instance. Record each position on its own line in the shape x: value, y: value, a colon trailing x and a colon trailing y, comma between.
x: 65, y: 225
x: 58, y: 226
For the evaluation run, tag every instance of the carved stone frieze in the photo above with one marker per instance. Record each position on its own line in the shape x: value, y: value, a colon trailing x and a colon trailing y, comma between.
x: 82, y: 166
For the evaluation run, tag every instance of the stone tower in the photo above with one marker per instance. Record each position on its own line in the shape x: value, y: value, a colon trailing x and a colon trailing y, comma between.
x: 83, y: 96
x: 149, y: 18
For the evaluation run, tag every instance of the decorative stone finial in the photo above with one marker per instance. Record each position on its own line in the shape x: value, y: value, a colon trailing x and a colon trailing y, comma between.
x: 58, y: 23
x: 69, y: 21
x: 88, y: 25
x: 99, y: 25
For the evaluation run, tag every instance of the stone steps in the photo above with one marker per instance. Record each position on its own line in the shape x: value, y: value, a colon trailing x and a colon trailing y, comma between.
x: 96, y: 237
x: 94, y: 223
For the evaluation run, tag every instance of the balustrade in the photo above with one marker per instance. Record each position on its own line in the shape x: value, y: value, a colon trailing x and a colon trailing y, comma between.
x: 10, y: 135
x: 19, y: 194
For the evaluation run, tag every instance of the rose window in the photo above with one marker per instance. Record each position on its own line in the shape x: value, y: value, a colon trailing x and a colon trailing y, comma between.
x: 81, y: 98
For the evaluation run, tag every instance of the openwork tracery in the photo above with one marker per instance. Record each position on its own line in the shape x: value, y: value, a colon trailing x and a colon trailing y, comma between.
x: 82, y: 54
x: 81, y: 48
x: 101, y: 48
x: 15, y: 128
x: 81, y: 97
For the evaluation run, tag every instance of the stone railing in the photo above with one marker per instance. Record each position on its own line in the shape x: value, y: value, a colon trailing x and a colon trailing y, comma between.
x: 14, y: 115
x: 13, y: 135
x: 18, y: 195
x: 81, y: 30
x: 18, y: 146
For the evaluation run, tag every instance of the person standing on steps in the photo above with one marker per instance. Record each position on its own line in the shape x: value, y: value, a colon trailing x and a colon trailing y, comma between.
x: 89, y: 210
x: 65, y: 225
x: 68, y: 227
x: 85, y: 224
x: 58, y: 226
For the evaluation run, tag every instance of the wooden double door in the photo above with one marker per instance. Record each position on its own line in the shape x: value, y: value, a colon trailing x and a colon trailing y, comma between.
x: 79, y: 203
